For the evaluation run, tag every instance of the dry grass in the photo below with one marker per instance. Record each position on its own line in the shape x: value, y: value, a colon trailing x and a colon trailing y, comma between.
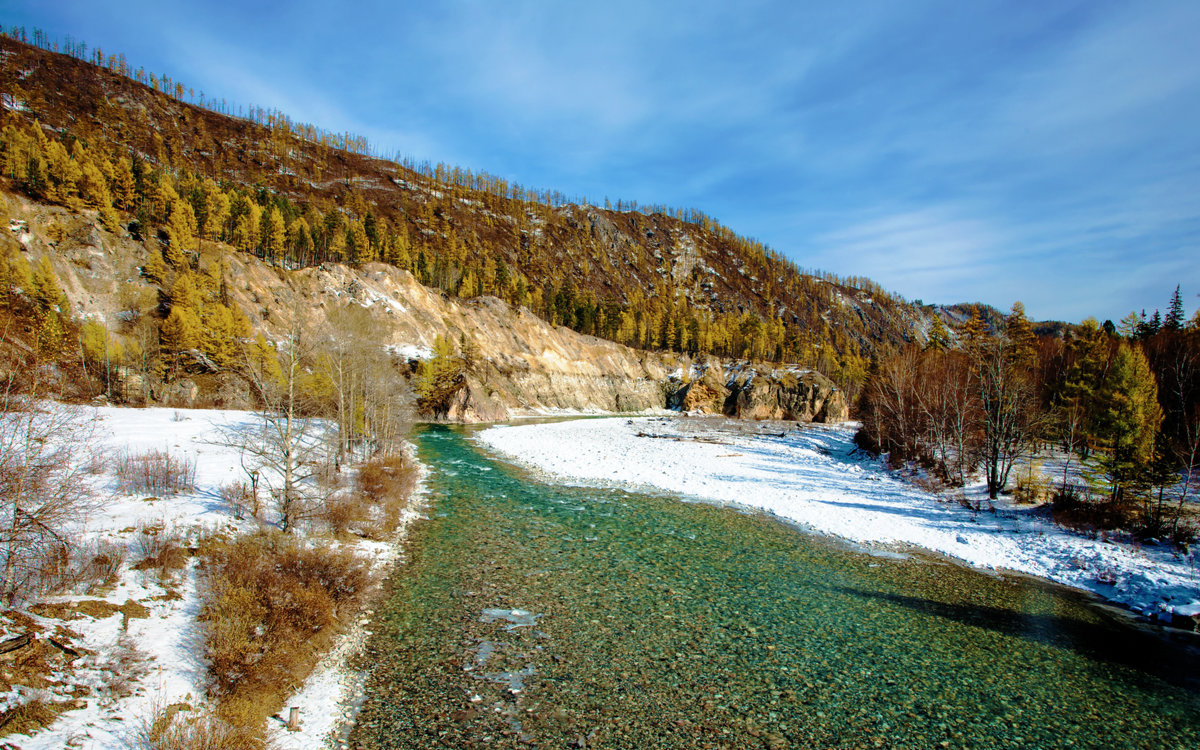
x: 125, y: 665
x: 155, y: 472
x: 29, y: 717
x: 1033, y: 486
x: 159, y: 547
x: 176, y: 727
x: 271, y: 605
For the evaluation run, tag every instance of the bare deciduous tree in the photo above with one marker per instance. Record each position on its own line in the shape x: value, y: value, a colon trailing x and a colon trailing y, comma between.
x: 287, y: 446
x: 43, y: 487
x: 1008, y: 405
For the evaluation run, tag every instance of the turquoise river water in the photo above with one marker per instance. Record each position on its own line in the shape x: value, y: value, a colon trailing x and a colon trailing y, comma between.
x: 535, y: 615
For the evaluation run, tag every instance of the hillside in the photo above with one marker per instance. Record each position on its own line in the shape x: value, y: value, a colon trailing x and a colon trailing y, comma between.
x: 514, y: 361
x: 295, y: 195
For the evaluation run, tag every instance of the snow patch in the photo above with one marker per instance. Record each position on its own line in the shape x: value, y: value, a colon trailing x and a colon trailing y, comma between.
x: 815, y: 477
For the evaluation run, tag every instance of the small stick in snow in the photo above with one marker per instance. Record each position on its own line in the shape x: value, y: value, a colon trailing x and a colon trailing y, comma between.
x: 293, y: 722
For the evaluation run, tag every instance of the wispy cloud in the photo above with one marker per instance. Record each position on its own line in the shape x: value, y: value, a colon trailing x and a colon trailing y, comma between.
x: 952, y: 151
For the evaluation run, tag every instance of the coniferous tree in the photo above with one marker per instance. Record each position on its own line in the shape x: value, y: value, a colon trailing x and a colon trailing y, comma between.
x: 1019, y: 333
x: 939, y: 337
x: 1174, y: 319
x: 1155, y: 324
x: 1127, y: 424
x: 1129, y: 325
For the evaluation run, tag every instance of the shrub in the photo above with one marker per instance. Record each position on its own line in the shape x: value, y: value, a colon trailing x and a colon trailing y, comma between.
x: 159, y: 547
x: 155, y: 472
x: 178, y: 728
x: 387, y: 483
x: 345, y: 510
x: 240, y: 498
x: 269, y: 604
x: 44, y: 490
x: 1074, y: 508
x: 1033, y: 487
x: 107, y: 558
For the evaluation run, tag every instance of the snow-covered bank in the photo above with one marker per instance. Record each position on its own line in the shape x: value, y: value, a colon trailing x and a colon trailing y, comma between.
x: 331, y: 696
x: 139, y: 644
x: 813, y: 476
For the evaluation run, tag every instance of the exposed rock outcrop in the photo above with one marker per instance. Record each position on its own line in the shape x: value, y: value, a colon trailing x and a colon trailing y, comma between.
x: 803, y: 396
x: 519, y: 362
x: 761, y: 393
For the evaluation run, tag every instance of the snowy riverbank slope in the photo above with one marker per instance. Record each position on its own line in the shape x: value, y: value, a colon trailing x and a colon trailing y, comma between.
x: 148, y: 654
x: 813, y: 476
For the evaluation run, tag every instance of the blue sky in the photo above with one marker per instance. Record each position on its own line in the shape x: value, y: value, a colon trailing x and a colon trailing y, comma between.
x: 952, y: 151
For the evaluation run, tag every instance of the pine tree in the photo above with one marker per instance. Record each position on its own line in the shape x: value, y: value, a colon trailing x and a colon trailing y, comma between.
x: 273, y: 233
x: 218, y: 338
x: 156, y: 268
x: 15, y: 275
x: 123, y: 186
x: 184, y: 292
x: 1127, y: 423
x: 180, y: 331
x: 46, y: 292
x: 358, y: 247
x: 939, y: 337
x: 1019, y: 333
x: 974, y: 335
x: 1129, y: 325
x: 51, y: 333
x: 181, y: 233
x: 1174, y: 319
x: 93, y: 188
x: 263, y: 360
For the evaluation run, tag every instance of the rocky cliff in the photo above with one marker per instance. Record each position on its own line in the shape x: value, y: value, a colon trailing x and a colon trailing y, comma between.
x: 760, y: 392
x: 519, y: 363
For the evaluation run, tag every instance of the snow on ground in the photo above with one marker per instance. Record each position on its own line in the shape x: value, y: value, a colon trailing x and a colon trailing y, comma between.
x: 160, y: 656
x: 332, y: 694
x: 409, y: 351
x: 814, y: 476
x: 162, y: 651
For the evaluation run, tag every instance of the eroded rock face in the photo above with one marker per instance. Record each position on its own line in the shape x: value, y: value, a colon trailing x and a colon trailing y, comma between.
x: 521, y: 363
x: 803, y: 396
x: 762, y: 393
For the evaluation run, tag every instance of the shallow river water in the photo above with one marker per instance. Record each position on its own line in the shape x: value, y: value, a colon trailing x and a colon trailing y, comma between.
x: 531, y: 614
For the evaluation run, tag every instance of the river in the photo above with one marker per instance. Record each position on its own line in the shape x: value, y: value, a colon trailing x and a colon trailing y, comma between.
x: 536, y: 615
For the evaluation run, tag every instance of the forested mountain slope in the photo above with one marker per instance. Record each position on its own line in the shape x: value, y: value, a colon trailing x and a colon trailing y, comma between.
x: 292, y: 194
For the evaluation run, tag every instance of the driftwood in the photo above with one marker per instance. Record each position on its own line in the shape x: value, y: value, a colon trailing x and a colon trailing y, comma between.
x: 678, y: 439
x: 12, y: 644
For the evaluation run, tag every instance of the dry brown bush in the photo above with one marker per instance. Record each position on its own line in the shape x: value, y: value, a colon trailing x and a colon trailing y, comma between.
x: 159, y: 547
x: 44, y: 490
x: 178, y: 728
x: 271, y: 604
x: 80, y: 568
x: 155, y: 472
x: 239, y: 498
x: 345, y: 512
x: 387, y: 483
x: 1078, y: 510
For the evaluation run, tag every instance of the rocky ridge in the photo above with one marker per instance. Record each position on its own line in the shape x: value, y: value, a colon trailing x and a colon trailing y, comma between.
x: 520, y: 364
